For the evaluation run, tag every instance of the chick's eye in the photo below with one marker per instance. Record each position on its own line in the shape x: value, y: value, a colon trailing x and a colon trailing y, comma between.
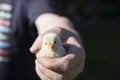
x: 54, y: 42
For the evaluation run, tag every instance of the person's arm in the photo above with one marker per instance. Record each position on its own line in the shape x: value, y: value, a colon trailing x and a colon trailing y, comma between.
x: 59, y: 68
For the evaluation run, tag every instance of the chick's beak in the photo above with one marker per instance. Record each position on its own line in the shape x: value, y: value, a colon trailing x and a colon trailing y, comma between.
x: 51, y: 47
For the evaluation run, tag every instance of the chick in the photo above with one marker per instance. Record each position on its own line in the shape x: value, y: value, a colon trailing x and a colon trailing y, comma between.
x: 51, y: 46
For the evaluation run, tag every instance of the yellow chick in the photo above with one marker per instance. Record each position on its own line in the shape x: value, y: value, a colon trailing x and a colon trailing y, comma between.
x: 51, y: 46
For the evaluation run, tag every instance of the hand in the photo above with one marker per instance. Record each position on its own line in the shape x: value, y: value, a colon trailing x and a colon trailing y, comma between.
x: 64, y: 68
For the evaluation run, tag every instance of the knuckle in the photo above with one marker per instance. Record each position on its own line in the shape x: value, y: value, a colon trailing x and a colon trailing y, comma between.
x: 66, y: 65
x: 49, y: 64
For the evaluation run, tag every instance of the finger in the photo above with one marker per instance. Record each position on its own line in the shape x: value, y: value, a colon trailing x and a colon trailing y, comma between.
x: 36, y: 45
x: 55, y: 64
x: 73, y: 47
x: 79, y: 52
x: 70, y: 60
x: 75, y: 71
x: 49, y: 73
x: 43, y: 77
x: 62, y: 64
x: 73, y: 41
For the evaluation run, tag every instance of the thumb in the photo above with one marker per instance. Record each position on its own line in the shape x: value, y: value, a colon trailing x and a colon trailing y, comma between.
x: 36, y: 45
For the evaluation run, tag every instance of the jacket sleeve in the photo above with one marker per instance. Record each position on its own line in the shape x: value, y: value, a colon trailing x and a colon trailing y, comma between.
x: 38, y: 7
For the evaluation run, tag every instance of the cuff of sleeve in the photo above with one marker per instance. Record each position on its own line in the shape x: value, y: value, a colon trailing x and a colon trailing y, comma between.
x: 35, y: 15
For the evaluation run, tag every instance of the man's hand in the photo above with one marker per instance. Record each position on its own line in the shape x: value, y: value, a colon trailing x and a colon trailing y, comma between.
x: 63, y: 68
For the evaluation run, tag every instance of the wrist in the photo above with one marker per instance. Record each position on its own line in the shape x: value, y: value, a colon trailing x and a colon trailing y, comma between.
x: 48, y: 21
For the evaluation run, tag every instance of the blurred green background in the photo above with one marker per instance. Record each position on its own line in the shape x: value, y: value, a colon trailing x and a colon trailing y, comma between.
x: 98, y: 23
x: 102, y: 54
